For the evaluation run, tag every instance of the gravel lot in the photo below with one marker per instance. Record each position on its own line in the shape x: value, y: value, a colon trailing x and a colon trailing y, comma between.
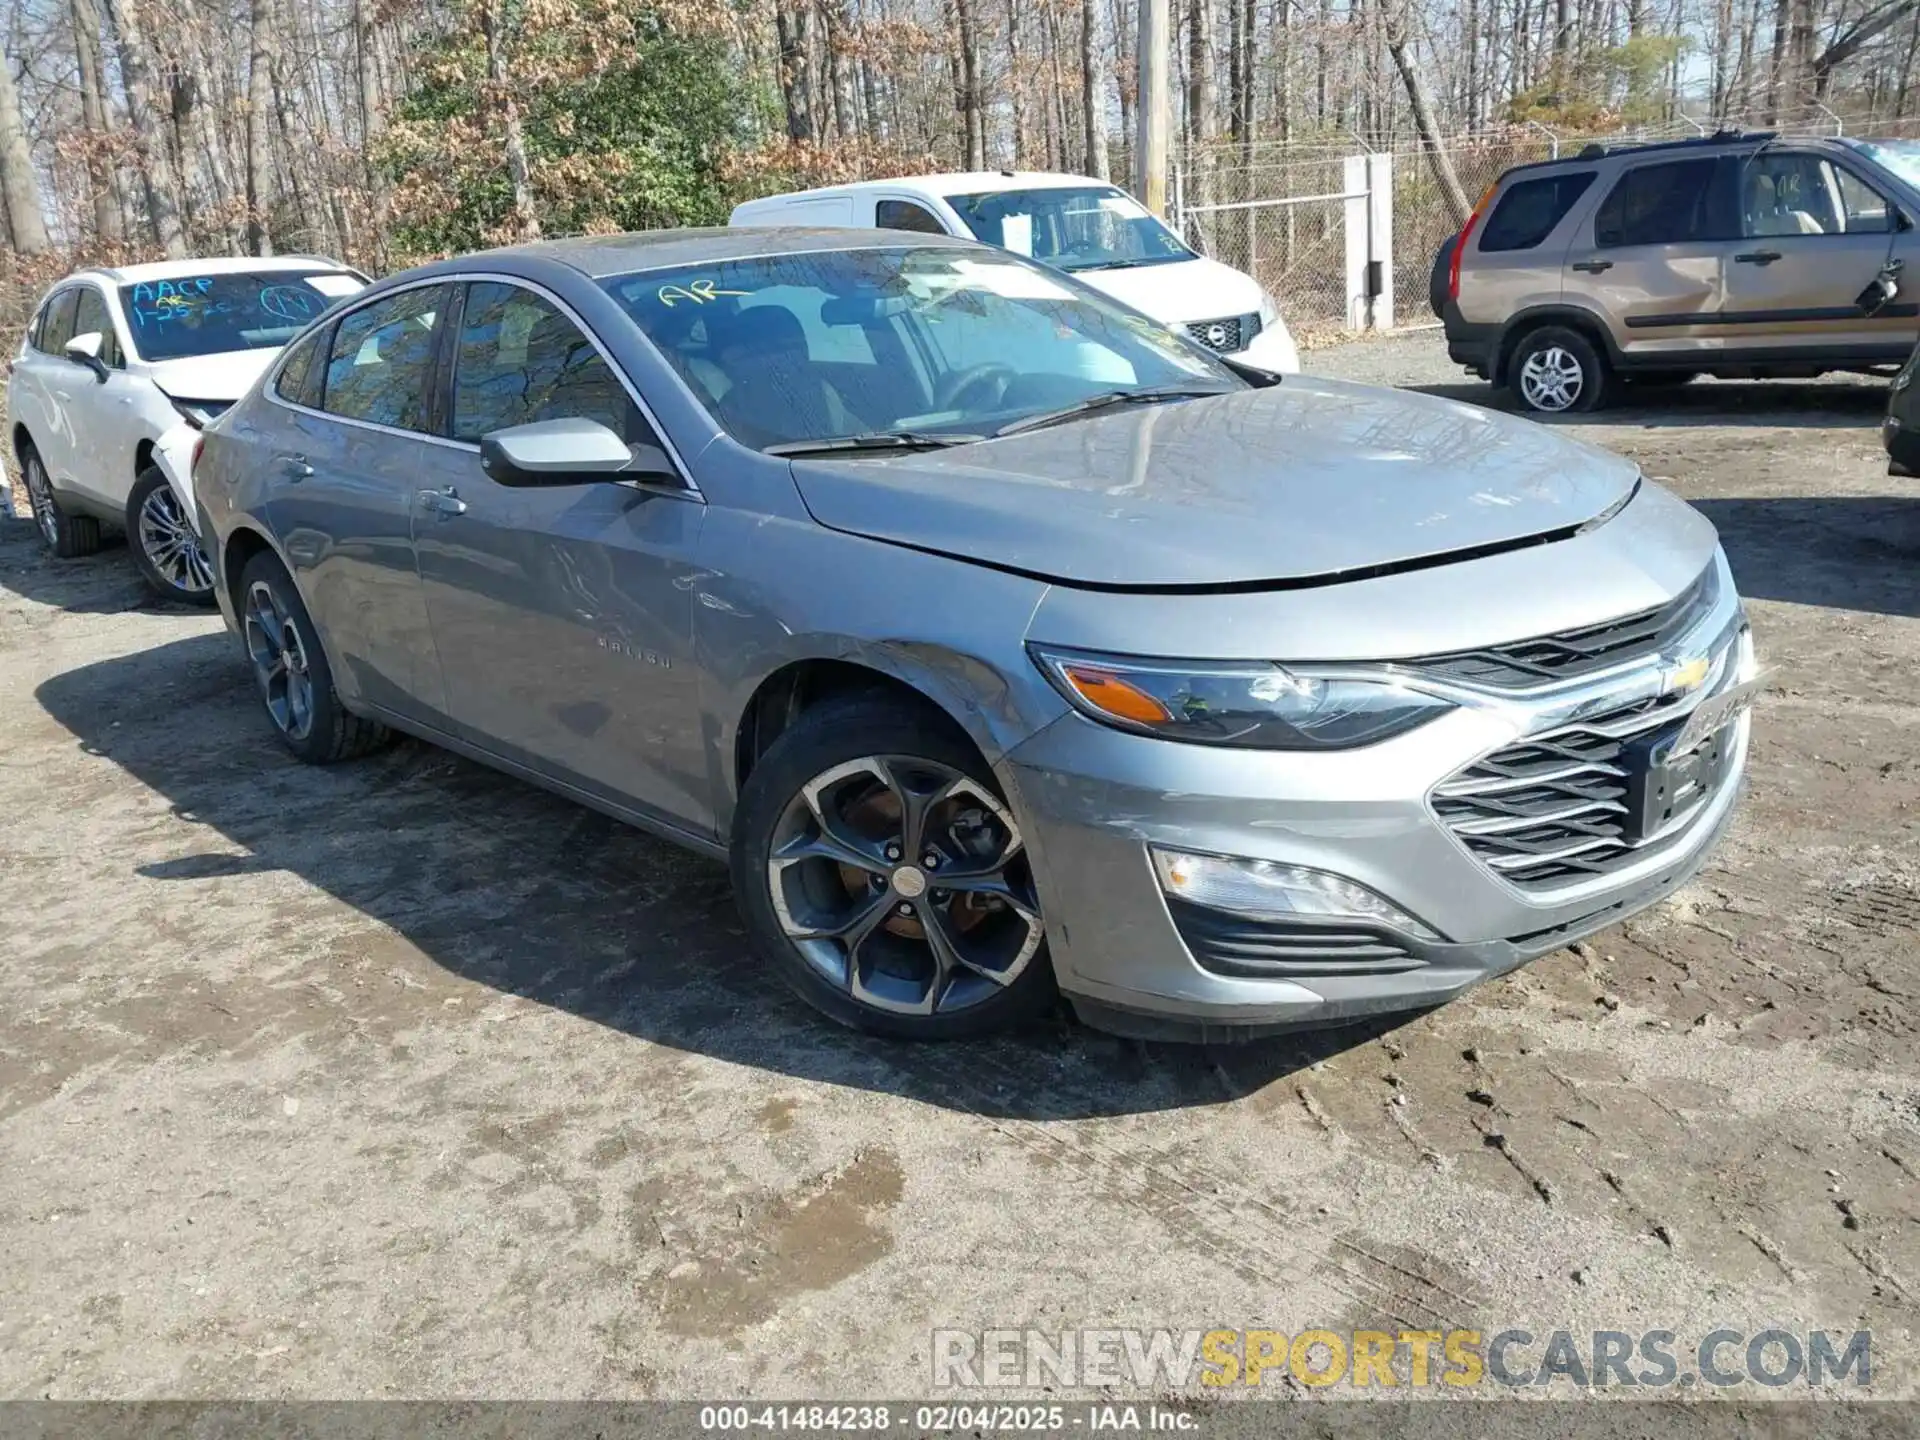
x: 403, y: 1078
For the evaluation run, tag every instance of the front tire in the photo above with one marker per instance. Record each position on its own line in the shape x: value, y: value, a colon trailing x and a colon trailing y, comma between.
x: 166, y: 547
x: 1558, y: 371
x: 291, y: 670
x: 882, y: 876
x: 69, y: 537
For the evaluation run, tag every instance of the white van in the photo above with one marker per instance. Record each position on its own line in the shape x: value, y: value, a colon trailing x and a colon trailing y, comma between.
x: 1073, y: 223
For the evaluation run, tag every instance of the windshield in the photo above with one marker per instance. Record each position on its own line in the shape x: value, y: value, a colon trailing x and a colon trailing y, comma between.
x: 1902, y: 157
x: 841, y: 343
x: 1090, y: 227
x: 209, y: 314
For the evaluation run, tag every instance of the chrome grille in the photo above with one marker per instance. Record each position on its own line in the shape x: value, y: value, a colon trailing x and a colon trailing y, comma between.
x: 1553, y: 807
x: 1572, y: 653
x: 1227, y: 336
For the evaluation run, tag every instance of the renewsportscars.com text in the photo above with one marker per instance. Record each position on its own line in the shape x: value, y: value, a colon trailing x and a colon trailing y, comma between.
x: 1385, y: 1359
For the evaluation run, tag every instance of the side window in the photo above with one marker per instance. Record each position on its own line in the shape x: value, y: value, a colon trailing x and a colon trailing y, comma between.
x: 90, y: 317
x: 59, y: 323
x: 380, y: 365
x: 298, y: 382
x: 1786, y: 194
x: 1530, y: 210
x: 520, y: 361
x: 1864, y: 209
x: 1675, y: 202
x: 905, y: 215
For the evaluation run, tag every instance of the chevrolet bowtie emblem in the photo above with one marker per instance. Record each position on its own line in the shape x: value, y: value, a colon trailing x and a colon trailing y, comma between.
x: 1681, y: 676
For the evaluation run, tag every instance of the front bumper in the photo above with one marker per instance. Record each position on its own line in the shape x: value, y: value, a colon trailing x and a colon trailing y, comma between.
x: 1094, y: 800
x: 1272, y: 350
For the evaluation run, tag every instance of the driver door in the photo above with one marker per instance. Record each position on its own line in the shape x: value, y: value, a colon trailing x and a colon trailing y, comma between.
x: 562, y: 614
x: 1814, y: 235
x: 114, y: 424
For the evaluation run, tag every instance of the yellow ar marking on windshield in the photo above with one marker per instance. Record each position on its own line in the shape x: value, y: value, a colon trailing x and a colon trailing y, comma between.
x: 700, y: 292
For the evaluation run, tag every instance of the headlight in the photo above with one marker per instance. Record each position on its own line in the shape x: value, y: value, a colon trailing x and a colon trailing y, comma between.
x: 201, y: 413
x: 1255, y: 705
x: 1269, y: 311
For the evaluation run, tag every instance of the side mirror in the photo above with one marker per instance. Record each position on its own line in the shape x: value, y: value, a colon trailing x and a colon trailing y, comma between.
x: 568, y: 452
x: 85, y: 350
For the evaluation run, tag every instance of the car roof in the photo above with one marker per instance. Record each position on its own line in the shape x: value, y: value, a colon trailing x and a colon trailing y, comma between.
x: 599, y: 256
x: 945, y: 183
x: 211, y: 265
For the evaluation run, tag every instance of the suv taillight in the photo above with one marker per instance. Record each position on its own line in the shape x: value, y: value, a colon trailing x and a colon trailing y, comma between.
x: 1460, y: 245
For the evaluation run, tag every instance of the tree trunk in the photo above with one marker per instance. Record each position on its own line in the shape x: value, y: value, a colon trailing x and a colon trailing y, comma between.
x: 365, y: 47
x: 971, y: 110
x: 1203, y: 99
x: 109, y: 206
x: 150, y: 144
x: 1092, y: 100
x: 260, y: 193
x: 1442, y: 163
x: 839, y: 18
x: 1778, y: 82
x: 1016, y: 87
x: 1125, y: 68
x: 794, y: 27
x: 500, y: 83
x: 18, y: 186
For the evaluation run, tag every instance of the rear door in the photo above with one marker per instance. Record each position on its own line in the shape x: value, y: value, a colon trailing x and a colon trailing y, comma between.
x: 1651, y: 261
x: 1814, y: 234
x: 44, y: 385
x: 346, y: 460
x: 563, y: 614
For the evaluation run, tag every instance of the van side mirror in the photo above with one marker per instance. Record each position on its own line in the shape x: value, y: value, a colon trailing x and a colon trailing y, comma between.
x: 85, y: 350
x: 568, y: 452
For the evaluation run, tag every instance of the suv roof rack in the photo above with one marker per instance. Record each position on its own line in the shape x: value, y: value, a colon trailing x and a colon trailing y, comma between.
x: 1599, y: 149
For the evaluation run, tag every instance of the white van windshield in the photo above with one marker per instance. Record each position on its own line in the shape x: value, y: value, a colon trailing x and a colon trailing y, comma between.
x: 1091, y: 227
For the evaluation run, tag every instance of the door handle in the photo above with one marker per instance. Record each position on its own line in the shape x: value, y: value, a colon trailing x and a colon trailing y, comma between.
x: 1593, y: 267
x: 294, y: 467
x: 1758, y: 257
x: 442, y: 502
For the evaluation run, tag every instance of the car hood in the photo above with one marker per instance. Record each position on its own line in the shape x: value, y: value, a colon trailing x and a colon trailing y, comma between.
x: 226, y: 376
x: 1307, y: 480
x: 1181, y: 292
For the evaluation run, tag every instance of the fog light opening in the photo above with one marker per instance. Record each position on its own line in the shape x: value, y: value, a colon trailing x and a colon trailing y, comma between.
x: 1267, y: 890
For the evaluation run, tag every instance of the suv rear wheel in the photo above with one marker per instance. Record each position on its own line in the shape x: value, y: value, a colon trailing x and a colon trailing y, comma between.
x: 1555, y: 370
x: 68, y: 536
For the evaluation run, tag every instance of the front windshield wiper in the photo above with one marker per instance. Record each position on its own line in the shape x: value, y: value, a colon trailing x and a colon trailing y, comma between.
x: 873, y: 440
x: 1185, y: 390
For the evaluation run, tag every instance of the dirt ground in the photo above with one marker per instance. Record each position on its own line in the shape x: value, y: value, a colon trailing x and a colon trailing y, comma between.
x: 404, y: 1079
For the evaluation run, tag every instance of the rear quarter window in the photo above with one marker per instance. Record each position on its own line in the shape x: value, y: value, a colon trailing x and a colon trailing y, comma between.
x: 1530, y: 210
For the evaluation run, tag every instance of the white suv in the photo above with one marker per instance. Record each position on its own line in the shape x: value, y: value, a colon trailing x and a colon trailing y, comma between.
x: 114, y: 360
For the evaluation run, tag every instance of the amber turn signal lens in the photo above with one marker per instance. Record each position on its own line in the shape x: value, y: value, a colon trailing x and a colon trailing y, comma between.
x: 1106, y: 691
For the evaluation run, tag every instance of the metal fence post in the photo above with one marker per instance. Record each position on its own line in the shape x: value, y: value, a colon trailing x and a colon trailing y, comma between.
x: 1355, y: 210
x: 1380, y: 240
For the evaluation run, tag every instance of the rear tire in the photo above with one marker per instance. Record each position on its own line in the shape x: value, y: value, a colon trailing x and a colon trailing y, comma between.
x: 942, y: 943
x: 291, y: 670
x: 69, y: 537
x: 166, y: 547
x: 1558, y: 371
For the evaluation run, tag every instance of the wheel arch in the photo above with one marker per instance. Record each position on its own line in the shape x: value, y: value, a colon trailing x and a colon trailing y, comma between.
x: 239, y: 547
x: 142, y: 457
x: 789, y: 691
x: 1574, y: 317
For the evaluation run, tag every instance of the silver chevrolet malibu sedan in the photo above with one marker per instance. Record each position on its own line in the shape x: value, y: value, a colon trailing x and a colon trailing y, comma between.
x: 1003, y: 641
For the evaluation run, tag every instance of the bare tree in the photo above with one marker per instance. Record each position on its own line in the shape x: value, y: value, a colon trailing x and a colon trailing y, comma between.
x: 156, y: 163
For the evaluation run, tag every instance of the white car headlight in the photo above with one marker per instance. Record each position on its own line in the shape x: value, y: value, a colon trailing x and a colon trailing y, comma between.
x: 1269, y: 311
